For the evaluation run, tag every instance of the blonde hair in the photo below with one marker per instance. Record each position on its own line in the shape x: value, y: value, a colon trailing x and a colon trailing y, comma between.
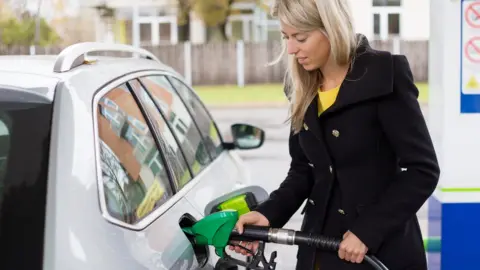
x: 333, y: 18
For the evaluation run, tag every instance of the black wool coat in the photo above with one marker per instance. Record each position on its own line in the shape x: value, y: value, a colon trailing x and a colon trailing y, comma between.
x: 367, y: 165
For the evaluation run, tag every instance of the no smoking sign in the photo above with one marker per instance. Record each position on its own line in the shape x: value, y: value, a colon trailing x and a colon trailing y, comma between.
x: 472, y: 50
x: 472, y: 15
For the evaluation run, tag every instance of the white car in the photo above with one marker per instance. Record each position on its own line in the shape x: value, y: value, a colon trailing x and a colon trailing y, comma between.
x: 104, y: 160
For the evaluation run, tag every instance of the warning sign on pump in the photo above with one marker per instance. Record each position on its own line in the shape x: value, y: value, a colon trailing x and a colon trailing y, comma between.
x: 470, y: 68
x: 472, y: 84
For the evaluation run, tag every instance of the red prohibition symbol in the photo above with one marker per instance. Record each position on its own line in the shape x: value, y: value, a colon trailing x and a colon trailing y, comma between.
x: 472, y: 49
x: 472, y: 15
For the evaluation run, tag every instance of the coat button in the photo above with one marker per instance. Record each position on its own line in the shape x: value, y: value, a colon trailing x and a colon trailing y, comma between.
x: 311, y: 165
x: 330, y: 168
x: 311, y: 201
x: 336, y: 133
x: 341, y: 211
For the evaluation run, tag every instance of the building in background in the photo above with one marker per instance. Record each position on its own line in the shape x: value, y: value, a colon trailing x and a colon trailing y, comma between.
x: 385, y: 19
x: 140, y: 22
x: 153, y: 22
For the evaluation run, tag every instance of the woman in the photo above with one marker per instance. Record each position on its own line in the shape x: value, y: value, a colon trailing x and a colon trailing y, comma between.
x: 361, y: 153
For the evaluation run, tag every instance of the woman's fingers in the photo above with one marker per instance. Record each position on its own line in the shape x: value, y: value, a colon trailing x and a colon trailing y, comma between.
x: 251, y: 218
x: 239, y: 248
x: 243, y: 247
x: 252, y: 246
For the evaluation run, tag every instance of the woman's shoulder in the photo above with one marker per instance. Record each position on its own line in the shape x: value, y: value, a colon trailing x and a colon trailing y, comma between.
x: 372, y: 54
x: 365, y: 49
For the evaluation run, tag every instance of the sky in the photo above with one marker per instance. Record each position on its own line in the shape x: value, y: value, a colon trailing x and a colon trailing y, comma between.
x: 47, y: 9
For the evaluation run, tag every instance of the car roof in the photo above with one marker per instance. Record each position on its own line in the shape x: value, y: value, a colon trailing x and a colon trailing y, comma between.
x: 28, y: 73
x: 33, y: 64
x: 37, y: 72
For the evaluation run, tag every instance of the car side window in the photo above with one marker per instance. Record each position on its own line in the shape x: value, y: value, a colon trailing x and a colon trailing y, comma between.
x: 180, y: 121
x: 134, y: 176
x: 173, y: 153
x: 202, y: 118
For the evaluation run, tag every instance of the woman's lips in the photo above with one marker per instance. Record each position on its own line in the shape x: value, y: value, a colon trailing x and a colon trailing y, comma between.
x: 302, y: 60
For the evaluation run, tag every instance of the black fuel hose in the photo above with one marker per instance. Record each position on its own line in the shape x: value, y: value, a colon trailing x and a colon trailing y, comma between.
x: 292, y: 237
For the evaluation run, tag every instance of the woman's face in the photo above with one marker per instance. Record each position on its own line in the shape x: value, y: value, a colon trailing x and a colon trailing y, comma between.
x: 311, y: 49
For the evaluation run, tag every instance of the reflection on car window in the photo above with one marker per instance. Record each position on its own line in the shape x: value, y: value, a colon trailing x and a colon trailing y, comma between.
x: 134, y: 177
x: 203, y: 120
x: 172, y: 152
x: 4, y: 148
x: 180, y: 121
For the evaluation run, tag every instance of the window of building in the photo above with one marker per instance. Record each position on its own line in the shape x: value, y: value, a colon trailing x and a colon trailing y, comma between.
x: 387, y: 3
x: 376, y: 24
x: 180, y: 122
x: 394, y: 24
x: 386, y: 18
x: 202, y: 117
x: 135, y: 179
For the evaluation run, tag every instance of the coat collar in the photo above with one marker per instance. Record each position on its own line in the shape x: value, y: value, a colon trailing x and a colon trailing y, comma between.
x: 371, y: 76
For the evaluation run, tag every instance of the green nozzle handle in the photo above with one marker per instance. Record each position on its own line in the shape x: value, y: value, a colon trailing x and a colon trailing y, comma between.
x: 214, y: 230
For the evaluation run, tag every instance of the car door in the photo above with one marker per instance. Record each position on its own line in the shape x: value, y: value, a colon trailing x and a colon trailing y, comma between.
x: 141, y: 165
x: 216, y: 176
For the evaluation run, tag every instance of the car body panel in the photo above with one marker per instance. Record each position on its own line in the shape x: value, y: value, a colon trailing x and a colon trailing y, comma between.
x: 72, y: 188
x: 38, y: 84
x: 79, y: 232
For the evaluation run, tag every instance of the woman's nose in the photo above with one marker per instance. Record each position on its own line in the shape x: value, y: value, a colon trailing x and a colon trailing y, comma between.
x: 291, y: 48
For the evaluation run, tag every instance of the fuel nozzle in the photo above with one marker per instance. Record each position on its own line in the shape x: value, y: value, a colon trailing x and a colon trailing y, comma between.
x: 214, y: 230
x: 218, y: 230
x: 285, y: 237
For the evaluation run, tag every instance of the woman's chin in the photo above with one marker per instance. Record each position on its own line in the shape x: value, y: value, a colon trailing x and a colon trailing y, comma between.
x: 308, y: 67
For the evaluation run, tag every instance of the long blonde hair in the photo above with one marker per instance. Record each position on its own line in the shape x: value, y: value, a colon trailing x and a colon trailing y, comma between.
x: 333, y: 18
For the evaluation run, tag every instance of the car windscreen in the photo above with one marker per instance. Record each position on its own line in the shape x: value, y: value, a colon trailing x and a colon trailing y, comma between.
x: 25, y: 120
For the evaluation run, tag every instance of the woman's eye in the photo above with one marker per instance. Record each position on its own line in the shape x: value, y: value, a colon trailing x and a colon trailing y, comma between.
x: 301, y: 40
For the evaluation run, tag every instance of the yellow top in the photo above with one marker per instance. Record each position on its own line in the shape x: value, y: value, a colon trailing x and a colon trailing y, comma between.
x: 327, y: 98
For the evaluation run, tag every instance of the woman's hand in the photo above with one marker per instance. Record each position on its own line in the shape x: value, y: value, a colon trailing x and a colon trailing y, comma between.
x: 352, y: 249
x: 251, y: 218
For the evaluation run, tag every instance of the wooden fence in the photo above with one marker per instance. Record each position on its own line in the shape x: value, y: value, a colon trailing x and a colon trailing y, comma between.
x: 216, y: 63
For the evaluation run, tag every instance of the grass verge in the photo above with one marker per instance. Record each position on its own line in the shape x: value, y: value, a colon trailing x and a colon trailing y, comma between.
x: 259, y: 94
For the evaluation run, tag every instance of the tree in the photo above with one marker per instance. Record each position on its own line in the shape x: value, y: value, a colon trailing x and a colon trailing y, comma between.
x: 183, y: 19
x: 214, y: 13
x: 21, y: 31
x: 223, y: 25
x: 114, y: 178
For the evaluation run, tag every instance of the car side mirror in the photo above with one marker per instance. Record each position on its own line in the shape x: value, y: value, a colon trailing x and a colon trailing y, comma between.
x: 247, y: 136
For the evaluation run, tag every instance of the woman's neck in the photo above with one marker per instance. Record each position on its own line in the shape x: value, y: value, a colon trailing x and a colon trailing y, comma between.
x: 333, y: 74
